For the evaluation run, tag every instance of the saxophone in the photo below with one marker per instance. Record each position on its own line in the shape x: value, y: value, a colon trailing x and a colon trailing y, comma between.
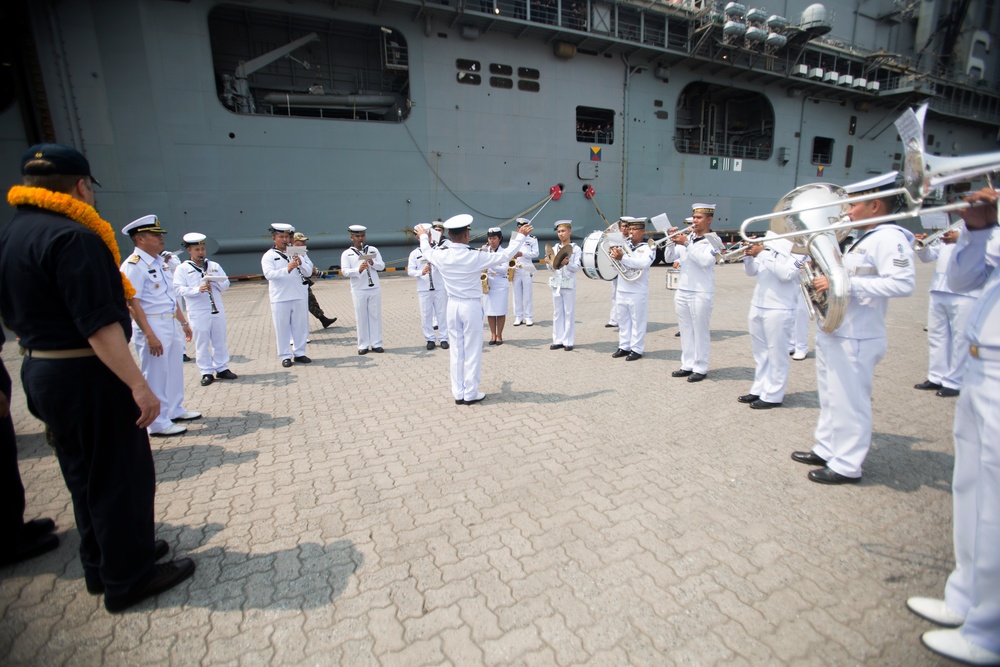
x: 485, y: 280
x: 510, y: 270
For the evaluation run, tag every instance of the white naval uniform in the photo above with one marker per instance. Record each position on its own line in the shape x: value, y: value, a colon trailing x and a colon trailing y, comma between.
x: 773, y: 306
x: 693, y: 300
x: 211, y: 352
x: 165, y: 374
x: 524, y: 302
x: 496, y: 276
x: 800, y: 336
x: 431, y: 296
x: 461, y: 268
x: 613, y: 317
x: 366, y: 292
x: 947, y: 315
x: 289, y: 301
x: 973, y: 588
x: 633, y: 299
x: 563, y: 285
x: 880, y: 267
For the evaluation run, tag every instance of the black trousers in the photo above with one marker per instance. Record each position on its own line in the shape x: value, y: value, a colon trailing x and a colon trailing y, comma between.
x: 106, y: 462
x: 11, y: 489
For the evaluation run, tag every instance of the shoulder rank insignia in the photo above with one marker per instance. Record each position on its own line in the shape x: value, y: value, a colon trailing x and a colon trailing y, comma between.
x: 134, y: 259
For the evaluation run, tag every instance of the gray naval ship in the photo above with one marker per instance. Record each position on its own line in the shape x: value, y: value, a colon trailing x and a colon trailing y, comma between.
x: 222, y: 117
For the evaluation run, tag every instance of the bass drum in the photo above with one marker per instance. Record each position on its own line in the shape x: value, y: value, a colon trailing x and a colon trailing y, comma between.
x: 596, y: 263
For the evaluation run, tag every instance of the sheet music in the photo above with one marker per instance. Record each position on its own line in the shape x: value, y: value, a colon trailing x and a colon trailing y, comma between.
x: 296, y: 250
x: 660, y: 222
x: 934, y: 220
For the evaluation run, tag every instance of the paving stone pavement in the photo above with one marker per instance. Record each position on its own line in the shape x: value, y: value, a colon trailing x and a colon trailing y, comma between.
x: 589, y: 511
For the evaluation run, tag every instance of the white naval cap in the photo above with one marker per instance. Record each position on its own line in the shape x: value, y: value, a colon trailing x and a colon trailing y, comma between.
x: 703, y: 208
x: 781, y: 246
x: 494, y: 231
x: 689, y: 220
x: 281, y: 227
x: 560, y: 223
x: 357, y: 229
x: 423, y: 226
x: 460, y: 221
x: 873, y: 184
x: 522, y: 222
x: 147, y: 223
x: 193, y: 238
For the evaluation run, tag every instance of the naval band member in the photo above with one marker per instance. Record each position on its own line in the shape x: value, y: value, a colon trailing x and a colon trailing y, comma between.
x: 524, y: 271
x: 461, y: 268
x: 563, y: 286
x: 160, y: 327
x: 431, y: 297
x: 632, y: 297
x: 286, y: 286
x: 361, y: 263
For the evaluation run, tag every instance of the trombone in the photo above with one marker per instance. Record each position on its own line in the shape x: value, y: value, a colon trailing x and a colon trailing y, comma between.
x: 668, y: 240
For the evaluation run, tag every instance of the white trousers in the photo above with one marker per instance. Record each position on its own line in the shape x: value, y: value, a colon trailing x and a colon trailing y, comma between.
x: 164, y: 374
x: 694, y: 312
x: 368, y: 315
x: 211, y: 352
x: 524, y: 308
x: 800, y: 338
x: 291, y: 323
x: 845, y: 368
x: 432, y: 309
x: 563, y: 316
x: 770, y: 330
x: 465, y: 333
x: 632, y: 316
x: 947, y: 317
x: 613, y: 317
x: 973, y: 589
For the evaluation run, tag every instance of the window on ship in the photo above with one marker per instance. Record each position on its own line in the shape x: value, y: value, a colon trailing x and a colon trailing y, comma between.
x: 595, y: 126
x: 724, y: 121
x: 289, y: 65
x: 822, y: 152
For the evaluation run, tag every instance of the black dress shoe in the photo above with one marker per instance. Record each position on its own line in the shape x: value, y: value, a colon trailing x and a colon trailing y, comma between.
x: 764, y: 405
x: 748, y: 398
x: 697, y: 377
x: 430, y: 345
x: 226, y: 375
x: 378, y: 350
x: 947, y: 392
x: 620, y: 353
x: 327, y: 321
x: 207, y: 380
x: 164, y: 577
x: 556, y: 346
x: 187, y: 358
x: 475, y: 400
x: 632, y: 356
x: 29, y: 548
x: 927, y: 385
x: 677, y: 335
x: 286, y: 363
x: 459, y: 401
x: 37, y: 528
x: 827, y: 476
x: 445, y: 345
x: 364, y: 351
x: 610, y: 326
x: 493, y: 342
x: 568, y: 348
x: 95, y: 586
x: 303, y: 360
x: 681, y: 373
x: 809, y: 458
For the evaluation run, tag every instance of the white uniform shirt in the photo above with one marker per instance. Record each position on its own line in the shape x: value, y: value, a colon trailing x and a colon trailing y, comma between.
x: 529, y: 251
x: 283, y: 285
x: 973, y: 265
x: 415, y: 268
x: 153, y: 285
x: 351, y: 259
x: 697, y: 260
x: 497, y: 275
x: 641, y: 258
x: 565, y: 277
x: 940, y: 253
x: 879, y: 266
x: 187, y: 283
x: 777, y: 285
x: 461, y: 266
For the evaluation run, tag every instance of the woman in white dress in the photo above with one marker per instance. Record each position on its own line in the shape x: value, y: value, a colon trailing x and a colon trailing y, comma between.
x: 496, y: 299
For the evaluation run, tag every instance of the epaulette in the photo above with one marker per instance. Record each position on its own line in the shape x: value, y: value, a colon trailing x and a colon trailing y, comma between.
x: 134, y: 259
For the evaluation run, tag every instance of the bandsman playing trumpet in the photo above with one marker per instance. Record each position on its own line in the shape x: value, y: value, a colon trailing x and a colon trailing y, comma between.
x: 880, y: 267
x: 633, y: 296
x: 563, y: 286
x: 771, y: 320
x: 201, y: 282
x: 695, y: 291
x: 947, y: 315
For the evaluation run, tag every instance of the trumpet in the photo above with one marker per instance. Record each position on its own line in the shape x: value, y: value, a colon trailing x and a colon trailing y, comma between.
x: 485, y: 280
x: 921, y: 244
x: 668, y: 240
x: 738, y: 252
x: 511, y: 265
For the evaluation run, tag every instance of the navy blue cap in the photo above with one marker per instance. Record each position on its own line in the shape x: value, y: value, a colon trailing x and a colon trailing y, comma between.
x: 46, y: 159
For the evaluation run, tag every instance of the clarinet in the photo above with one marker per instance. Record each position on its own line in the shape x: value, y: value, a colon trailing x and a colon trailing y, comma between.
x: 206, y: 281
x: 368, y: 271
x: 430, y: 276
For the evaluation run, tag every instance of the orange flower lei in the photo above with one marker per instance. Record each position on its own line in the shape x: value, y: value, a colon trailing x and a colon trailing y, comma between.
x: 75, y: 210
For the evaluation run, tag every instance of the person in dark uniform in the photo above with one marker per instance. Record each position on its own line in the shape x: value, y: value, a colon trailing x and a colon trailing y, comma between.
x: 62, y: 294
x: 21, y: 540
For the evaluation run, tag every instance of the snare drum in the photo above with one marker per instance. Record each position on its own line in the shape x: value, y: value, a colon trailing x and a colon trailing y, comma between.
x: 673, y: 278
x: 596, y: 263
